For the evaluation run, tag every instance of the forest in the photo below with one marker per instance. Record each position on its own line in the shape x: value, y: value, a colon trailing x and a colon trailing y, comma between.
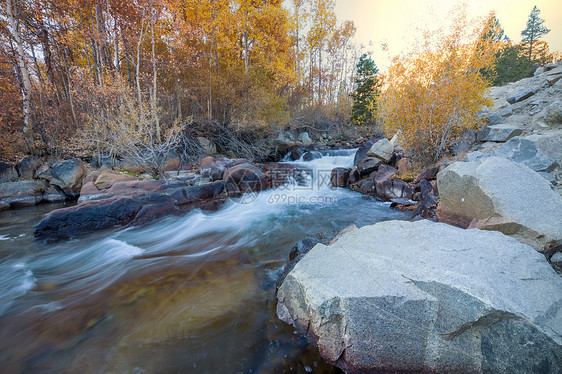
x: 107, y: 76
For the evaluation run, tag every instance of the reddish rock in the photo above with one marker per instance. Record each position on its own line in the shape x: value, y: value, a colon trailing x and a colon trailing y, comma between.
x: 427, y: 174
x: 368, y: 165
x: 243, y: 178
x: 129, y: 187
x: 92, y: 177
x: 191, y: 195
x: 403, y: 166
x: 172, y: 164
x: 89, y: 188
x: 339, y: 177
x: 354, y: 176
x: 107, y: 178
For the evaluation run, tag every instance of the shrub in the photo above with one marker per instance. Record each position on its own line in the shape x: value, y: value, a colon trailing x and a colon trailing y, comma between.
x: 434, y: 95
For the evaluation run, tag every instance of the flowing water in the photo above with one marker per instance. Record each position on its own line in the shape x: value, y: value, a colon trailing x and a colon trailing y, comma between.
x: 191, y: 294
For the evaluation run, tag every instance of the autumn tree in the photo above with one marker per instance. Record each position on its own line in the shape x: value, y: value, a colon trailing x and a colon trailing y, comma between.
x: 366, y: 91
x: 432, y: 96
x: 534, y: 30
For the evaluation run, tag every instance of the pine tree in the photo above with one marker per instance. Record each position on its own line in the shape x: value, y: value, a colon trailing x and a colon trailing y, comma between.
x: 534, y: 30
x: 367, y: 89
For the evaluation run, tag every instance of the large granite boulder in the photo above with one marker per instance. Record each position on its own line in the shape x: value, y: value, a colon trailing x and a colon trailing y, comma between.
x: 427, y: 297
x: 501, y: 195
x: 362, y: 151
x: 524, y: 151
x: 382, y: 149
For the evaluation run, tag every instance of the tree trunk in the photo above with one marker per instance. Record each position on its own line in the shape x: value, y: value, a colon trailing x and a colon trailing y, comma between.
x: 26, y: 82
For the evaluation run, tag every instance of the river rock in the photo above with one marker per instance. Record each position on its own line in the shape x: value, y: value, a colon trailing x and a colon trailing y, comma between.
x: 311, y: 155
x: 367, y: 165
x: 524, y: 151
x: 382, y: 149
x: 191, y: 195
x: 243, y: 178
x: 499, y: 133
x: 99, y: 214
x: 66, y: 175
x: 7, y: 171
x: 304, y: 138
x: 501, y: 195
x: 427, y: 297
x: 22, y: 193
x: 520, y: 95
x: 340, y: 177
x: 428, y: 174
x: 106, y: 179
x: 26, y: 167
x: 362, y: 151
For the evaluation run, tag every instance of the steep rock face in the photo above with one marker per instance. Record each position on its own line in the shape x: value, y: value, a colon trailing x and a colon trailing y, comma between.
x: 501, y: 195
x: 427, y: 297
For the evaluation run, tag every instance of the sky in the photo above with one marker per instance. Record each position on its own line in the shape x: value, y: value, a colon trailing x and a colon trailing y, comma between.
x: 395, y: 22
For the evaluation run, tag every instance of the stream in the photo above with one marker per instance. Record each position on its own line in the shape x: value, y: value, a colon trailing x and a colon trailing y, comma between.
x: 190, y: 294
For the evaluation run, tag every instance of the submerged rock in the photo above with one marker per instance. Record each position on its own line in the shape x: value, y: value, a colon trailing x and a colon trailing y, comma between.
x: 427, y: 297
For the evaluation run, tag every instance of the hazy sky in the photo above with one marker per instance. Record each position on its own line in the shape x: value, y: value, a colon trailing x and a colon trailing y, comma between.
x: 395, y: 21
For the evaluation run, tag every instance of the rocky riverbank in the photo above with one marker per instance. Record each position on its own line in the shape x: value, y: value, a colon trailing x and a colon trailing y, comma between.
x: 428, y: 297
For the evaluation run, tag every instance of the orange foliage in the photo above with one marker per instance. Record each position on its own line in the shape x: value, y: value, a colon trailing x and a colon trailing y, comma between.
x: 433, y: 96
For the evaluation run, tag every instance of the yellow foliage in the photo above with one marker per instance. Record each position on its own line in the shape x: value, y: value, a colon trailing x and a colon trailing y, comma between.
x: 434, y: 95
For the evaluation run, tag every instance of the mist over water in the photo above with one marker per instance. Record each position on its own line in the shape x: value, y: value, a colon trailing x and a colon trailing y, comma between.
x: 185, y: 294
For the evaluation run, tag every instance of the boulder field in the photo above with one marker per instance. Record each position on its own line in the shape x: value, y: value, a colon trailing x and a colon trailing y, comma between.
x: 427, y: 297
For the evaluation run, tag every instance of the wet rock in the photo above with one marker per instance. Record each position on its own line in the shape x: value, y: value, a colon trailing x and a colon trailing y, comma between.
x: 106, y: 179
x: 22, y: 193
x: 364, y: 186
x: 369, y: 303
x: 520, y: 95
x: 243, y: 178
x: 354, y: 176
x: 191, y: 195
x: 524, y: 151
x: 499, y: 133
x: 97, y: 215
x: 368, y: 165
x: 296, y: 153
x: 278, y: 174
x: 362, y: 151
x: 311, y: 155
x: 504, y: 196
x: 340, y: 177
x: 382, y: 149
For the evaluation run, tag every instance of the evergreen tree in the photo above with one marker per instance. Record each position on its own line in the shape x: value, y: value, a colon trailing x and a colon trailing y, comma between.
x: 534, y: 30
x: 366, y: 91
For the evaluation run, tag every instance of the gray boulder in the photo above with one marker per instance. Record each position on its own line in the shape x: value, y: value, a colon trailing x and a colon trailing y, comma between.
x: 499, y: 133
x: 427, y: 297
x: 22, y: 193
x: 501, y: 195
x: 66, y: 175
x: 304, y: 138
x: 524, y: 151
x: 7, y: 171
x: 520, y: 95
x: 382, y: 149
